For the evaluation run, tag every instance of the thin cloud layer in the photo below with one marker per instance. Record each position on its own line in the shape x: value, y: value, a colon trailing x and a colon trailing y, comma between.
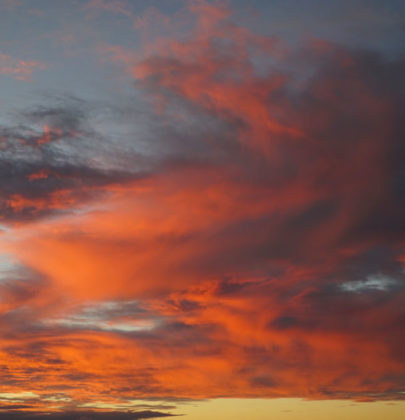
x: 80, y: 415
x: 19, y: 69
x: 53, y: 161
x: 248, y: 242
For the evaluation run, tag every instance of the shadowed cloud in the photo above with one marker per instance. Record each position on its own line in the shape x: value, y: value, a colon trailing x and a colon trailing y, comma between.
x: 245, y: 227
x: 83, y: 415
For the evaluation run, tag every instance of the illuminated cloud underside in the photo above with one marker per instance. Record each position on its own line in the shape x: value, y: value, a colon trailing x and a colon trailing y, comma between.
x: 233, y: 228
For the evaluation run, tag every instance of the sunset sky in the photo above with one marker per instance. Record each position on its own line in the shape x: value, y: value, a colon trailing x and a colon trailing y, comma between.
x: 202, y: 209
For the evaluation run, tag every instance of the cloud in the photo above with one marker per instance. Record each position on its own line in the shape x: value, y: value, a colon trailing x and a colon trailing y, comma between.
x: 19, y: 69
x: 254, y: 222
x: 113, y: 6
x: 109, y: 316
x: 373, y: 282
x: 53, y: 161
x: 83, y: 415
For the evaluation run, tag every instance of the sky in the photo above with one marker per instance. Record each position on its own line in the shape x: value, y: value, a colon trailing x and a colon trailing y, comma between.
x: 201, y: 209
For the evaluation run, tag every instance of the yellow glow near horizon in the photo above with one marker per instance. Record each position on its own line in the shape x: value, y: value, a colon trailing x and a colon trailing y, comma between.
x: 292, y: 409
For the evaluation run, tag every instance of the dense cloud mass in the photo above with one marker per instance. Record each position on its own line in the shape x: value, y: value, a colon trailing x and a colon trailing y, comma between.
x: 80, y: 415
x: 249, y: 242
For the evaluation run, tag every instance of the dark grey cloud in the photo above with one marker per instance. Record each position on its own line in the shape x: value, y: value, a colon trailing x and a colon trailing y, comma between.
x: 82, y: 415
x: 55, y: 148
x: 342, y: 237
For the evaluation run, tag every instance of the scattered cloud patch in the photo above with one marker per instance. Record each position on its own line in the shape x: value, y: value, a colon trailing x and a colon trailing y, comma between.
x: 19, y: 69
x: 379, y: 282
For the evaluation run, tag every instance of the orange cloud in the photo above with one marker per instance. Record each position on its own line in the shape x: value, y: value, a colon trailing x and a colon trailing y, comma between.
x: 42, y: 174
x: 270, y: 264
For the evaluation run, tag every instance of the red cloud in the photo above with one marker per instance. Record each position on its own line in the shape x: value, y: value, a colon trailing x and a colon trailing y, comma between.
x: 254, y: 259
x: 19, y: 69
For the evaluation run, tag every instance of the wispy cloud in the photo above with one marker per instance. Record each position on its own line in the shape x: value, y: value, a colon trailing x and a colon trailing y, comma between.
x: 19, y: 69
x: 235, y: 221
x: 118, y: 7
